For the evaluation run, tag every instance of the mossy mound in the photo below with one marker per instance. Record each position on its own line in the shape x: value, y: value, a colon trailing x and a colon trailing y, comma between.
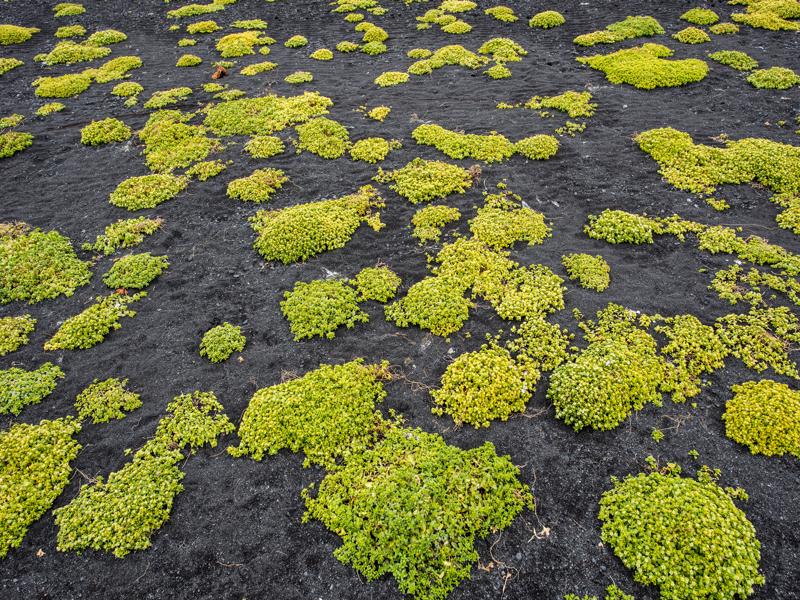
x: 774, y: 78
x: 328, y: 414
x: 324, y: 137
x: 257, y: 187
x: 299, y: 232
x: 19, y: 388
x: 765, y: 417
x: 412, y: 507
x: 425, y: 180
x: 14, y: 332
x: 490, y: 148
x: 320, y: 307
x: 646, y: 67
x: 36, y: 266
x: 147, y: 191
x: 13, y: 142
x: 547, y: 19
x: 124, y: 233
x: 105, y: 131
x: 429, y: 221
x: 591, y: 272
x: 220, y: 342
x: 683, y: 535
x: 735, y: 59
x: 105, y: 400
x: 14, y: 34
x: 627, y: 29
x: 264, y: 115
x: 135, y: 271
x: 34, y: 469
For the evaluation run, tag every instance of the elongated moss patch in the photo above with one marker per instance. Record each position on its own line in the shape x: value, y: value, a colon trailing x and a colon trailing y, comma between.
x: 13, y: 142
x: 220, y: 342
x: 489, y: 148
x: 91, y: 326
x: 105, y: 131
x: 14, y: 34
x: 425, y: 180
x: 412, y: 507
x: 124, y: 233
x: 147, y: 191
x: 328, y: 414
x: 774, y: 78
x: 265, y: 115
x: 257, y: 187
x: 684, y: 536
x: 627, y: 29
x: 647, y: 67
x: 8, y: 64
x: 164, y: 98
x: 19, y: 388
x: 735, y: 59
x: 765, y: 417
x: 240, y: 44
x: 700, y: 16
x: 38, y: 266
x: 105, y: 400
x: 34, y: 469
x: 575, y: 104
x: 299, y: 232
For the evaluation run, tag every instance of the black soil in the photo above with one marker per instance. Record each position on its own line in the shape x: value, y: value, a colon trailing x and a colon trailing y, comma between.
x: 236, y: 531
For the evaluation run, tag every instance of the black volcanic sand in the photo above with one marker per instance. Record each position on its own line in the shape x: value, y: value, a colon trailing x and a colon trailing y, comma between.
x: 236, y: 531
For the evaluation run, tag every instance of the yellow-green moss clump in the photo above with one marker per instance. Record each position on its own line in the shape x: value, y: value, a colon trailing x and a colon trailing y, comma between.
x: 257, y: 187
x: 684, y: 536
x: 91, y: 326
x: 264, y: 146
x: 14, y: 34
x: 11, y: 121
x: 502, y: 13
x: 7, y: 64
x: 503, y: 221
x: 765, y: 417
x: 691, y: 35
x: 296, y: 41
x: 48, y: 109
x: 147, y: 191
x: 34, y: 469
x: 544, y: 344
x: 773, y: 15
x: 575, y: 104
x: 135, y: 271
x: 321, y: 54
x: 429, y: 221
x: 170, y: 143
x: 12, y: 142
x: 123, y: 233
x: 724, y: 29
x: 537, y: 147
x: 735, y: 59
x: 299, y: 232
x: 324, y: 137
x: 120, y: 515
x: 452, y: 55
x: 205, y: 170
x: 493, y: 147
x: 241, y: 44
x: 320, y: 307
x: 425, y: 180
x: 627, y: 29
x: 189, y: 60
x: 14, y: 332
x: 68, y: 9
x: 390, y: 78
x: 38, y: 266
x: 70, y: 31
x: 220, y: 342
x: 373, y: 149
x: 265, y: 115
x: 250, y: 24
x: 591, y: 272
x: 774, y: 78
x: 105, y: 131
x: 19, y: 388
x: 646, y: 67
x: 328, y: 414
x: 208, y: 26
x: 64, y: 86
x: 258, y: 68
x: 69, y: 53
x: 412, y: 506
x: 376, y: 283
x: 299, y: 77
x: 105, y: 400
x: 700, y: 16
x: 618, y: 372
x: 194, y: 10
x: 164, y: 98
x: 379, y: 113
x: 546, y: 19
x: 479, y: 387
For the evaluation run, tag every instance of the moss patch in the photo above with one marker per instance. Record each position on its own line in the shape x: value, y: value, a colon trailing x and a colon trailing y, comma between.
x: 14, y: 332
x: 489, y: 148
x: 324, y: 137
x: 147, y: 191
x: 735, y: 59
x: 646, y: 67
x: 320, y: 307
x: 412, y: 506
x: 376, y: 283
x: 14, y: 34
x: 265, y: 115
x: 264, y: 146
x: 105, y: 131
x: 34, y: 469
x: 257, y: 187
x: 299, y: 232
x: 691, y: 35
x: 7, y: 64
x: 684, y: 536
x: 328, y: 414
x: 135, y: 271
x: 164, y: 98
x: 546, y: 19
x: 425, y: 180
x: 13, y: 142
x: 124, y: 233
x: 220, y: 342
x: 429, y: 221
x: 591, y: 272
x: 503, y: 221
x: 374, y: 149
x: 19, y: 388
x: 36, y: 266
x: 91, y: 326
x: 765, y: 417
x: 105, y: 400
x: 774, y: 78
